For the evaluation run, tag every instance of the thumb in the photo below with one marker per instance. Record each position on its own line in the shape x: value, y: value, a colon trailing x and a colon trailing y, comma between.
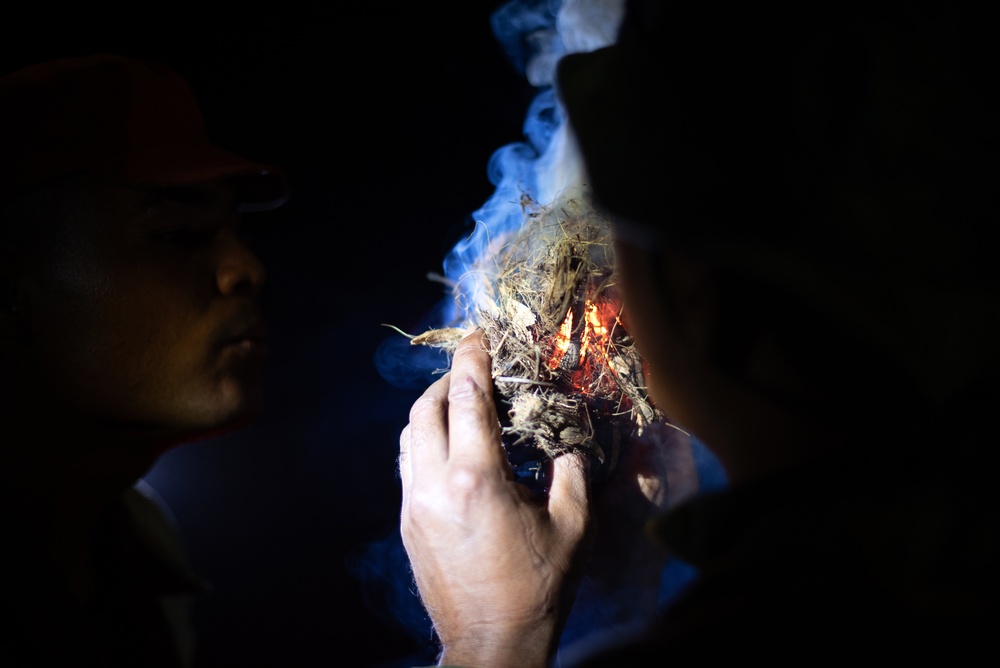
x: 569, y: 494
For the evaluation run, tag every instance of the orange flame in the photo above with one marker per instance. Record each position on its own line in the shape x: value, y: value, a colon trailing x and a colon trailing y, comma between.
x: 562, y: 341
x: 594, y: 342
x: 595, y: 330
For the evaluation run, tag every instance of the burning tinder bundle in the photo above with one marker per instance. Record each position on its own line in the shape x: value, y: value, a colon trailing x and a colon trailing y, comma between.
x: 565, y: 371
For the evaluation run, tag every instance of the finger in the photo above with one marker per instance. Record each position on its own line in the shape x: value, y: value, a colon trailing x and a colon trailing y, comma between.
x: 427, y: 432
x: 403, y: 462
x: 474, y: 428
x: 569, y: 493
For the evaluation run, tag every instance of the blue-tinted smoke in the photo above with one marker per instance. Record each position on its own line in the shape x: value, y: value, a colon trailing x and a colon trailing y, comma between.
x: 534, y: 34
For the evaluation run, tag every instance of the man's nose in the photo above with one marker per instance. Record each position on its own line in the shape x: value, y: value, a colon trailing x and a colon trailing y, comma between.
x: 237, y: 267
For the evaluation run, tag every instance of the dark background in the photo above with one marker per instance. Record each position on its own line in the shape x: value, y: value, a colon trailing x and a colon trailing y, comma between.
x: 384, y: 117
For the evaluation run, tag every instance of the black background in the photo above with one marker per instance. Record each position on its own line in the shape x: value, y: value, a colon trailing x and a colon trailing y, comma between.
x: 384, y: 117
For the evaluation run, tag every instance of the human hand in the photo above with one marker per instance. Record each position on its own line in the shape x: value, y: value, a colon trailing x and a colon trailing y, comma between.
x: 657, y: 470
x: 497, y: 566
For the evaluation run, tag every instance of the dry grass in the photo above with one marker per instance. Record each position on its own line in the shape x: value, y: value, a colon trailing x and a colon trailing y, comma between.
x: 588, y: 394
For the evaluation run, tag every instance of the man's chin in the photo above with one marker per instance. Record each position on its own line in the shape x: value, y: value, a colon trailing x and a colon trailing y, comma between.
x: 208, y: 427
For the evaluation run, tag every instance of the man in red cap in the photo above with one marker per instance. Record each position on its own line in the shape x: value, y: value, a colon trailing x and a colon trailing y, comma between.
x: 129, y: 323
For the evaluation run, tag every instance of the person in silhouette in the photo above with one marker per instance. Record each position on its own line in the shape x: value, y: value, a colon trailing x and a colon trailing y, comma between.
x: 129, y: 323
x: 802, y: 200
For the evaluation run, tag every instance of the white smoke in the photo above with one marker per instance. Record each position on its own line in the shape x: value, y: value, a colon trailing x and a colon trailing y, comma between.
x: 547, y: 164
x: 586, y: 25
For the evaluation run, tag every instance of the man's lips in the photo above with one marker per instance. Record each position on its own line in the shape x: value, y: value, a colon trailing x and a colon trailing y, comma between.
x: 250, y: 340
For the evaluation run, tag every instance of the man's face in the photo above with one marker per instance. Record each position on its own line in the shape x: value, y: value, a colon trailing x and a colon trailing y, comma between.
x: 142, y: 311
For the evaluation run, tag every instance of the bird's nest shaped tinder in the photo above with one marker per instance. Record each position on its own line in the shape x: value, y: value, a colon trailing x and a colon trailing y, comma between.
x: 566, y: 373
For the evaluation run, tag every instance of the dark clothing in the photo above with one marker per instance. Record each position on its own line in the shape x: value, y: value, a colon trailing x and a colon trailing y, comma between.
x: 138, y: 615
x: 842, y: 561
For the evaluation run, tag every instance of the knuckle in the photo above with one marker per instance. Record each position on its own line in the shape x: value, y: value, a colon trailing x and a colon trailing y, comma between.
x: 423, y: 511
x: 452, y: 500
x: 466, y: 390
x: 464, y: 481
x: 425, y: 408
x: 421, y: 506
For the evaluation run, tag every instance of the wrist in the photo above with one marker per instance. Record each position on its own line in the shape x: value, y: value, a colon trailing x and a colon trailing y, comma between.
x: 496, y: 646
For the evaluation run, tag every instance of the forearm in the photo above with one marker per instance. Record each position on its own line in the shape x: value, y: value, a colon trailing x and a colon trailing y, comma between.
x: 493, y: 646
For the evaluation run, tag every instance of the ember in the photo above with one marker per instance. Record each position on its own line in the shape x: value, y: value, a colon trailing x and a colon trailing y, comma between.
x: 566, y: 373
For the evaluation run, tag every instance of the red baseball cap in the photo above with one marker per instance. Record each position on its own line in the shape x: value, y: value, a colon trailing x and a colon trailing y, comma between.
x: 127, y: 118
